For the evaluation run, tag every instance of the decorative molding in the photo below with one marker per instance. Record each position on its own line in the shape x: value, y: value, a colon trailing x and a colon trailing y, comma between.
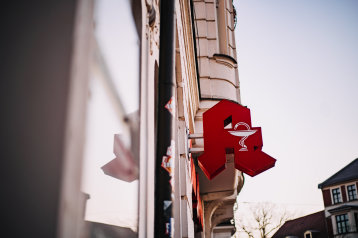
x: 226, y: 57
x: 153, y: 27
x: 209, y: 210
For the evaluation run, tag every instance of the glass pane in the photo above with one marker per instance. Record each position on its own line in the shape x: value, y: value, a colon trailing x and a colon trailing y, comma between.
x: 117, y: 36
x: 112, y: 204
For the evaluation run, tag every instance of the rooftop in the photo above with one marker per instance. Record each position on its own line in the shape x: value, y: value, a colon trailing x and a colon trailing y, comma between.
x: 349, y: 172
x: 297, y: 227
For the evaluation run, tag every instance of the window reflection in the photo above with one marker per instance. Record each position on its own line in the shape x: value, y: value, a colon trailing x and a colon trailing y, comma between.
x: 116, y: 34
x: 112, y: 201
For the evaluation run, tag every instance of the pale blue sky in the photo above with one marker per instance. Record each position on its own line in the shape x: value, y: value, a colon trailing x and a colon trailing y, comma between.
x: 298, y: 67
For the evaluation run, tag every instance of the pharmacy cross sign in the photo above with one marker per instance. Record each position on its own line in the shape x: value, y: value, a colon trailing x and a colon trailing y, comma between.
x: 227, y: 129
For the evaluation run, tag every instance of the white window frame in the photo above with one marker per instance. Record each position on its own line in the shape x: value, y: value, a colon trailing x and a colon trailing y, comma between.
x: 340, y: 191
x: 308, y: 233
x: 348, y: 223
x: 355, y: 185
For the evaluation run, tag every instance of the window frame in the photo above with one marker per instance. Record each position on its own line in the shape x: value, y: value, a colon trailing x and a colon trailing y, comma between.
x: 347, y: 192
x: 345, y: 221
x: 340, y: 200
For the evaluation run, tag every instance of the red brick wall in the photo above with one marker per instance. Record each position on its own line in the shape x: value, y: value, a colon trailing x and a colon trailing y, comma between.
x: 344, y: 194
x: 327, y: 197
x: 329, y: 226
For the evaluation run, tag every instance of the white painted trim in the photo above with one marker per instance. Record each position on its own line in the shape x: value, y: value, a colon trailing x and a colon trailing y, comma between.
x: 334, y: 221
x: 307, y: 233
x: 71, y: 202
x: 348, y: 184
x: 340, y: 190
x: 149, y: 57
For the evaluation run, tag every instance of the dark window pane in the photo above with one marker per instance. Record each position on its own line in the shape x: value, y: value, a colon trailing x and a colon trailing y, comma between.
x: 342, y: 223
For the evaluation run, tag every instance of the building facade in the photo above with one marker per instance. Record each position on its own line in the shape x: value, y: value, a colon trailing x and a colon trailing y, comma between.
x: 340, y: 215
x: 113, y: 94
x: 341, y: 201
x: 205, y: 72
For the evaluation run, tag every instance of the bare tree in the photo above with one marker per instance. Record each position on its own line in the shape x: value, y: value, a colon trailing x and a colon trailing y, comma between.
x: 263, y: 219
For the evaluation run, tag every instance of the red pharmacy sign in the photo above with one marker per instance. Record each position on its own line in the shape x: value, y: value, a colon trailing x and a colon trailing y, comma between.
x: 240, y: 138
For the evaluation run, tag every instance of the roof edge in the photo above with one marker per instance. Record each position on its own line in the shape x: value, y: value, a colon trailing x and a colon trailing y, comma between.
x: 321, y: 185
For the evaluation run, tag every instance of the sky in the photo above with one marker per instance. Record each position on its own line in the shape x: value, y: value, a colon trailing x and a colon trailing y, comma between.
x: 116, y: 34
x: 298, y: 69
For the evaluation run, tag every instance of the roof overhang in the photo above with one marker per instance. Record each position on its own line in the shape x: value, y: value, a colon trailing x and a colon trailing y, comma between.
x: 343, y: 208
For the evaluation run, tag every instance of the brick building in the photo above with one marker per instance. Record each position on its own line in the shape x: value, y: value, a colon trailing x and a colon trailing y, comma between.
x: 341, y: 201
x: 340, y: 215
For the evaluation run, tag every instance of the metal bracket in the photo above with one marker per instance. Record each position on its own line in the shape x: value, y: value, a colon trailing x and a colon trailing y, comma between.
x: 196, y: 150
x: 195, y: 135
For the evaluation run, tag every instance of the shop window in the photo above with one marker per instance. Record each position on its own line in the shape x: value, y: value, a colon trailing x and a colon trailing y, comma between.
x: 352, y: 192
x: 336, y: 195
x: 342, y: 223
x: 110, y: 173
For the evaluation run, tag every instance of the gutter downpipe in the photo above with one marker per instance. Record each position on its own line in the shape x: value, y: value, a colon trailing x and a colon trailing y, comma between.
x: 163, y: 217
x: 192, y: 13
